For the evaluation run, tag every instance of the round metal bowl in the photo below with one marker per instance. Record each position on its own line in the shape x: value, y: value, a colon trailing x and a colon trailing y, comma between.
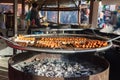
x: 15, y: 74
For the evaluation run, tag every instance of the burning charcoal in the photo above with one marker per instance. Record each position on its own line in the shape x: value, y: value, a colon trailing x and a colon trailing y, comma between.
x: 68, y: 74
x: 39, y: 64
x: 76, y: 65
x: 18, y: 67
x: 58, y: 74
x: 58, y: 68
x: 40, y: 73
x: 44, y: 68
x: 50, y: 74
x: 26, y: 69
x: 70, y: 68
x: 50, y: 68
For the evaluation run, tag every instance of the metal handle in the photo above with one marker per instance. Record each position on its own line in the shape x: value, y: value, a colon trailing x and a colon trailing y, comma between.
x: 113, y: 39
x: 7, y: 40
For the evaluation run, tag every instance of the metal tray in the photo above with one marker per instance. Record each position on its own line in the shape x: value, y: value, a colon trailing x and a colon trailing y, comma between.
x: 11, y: 43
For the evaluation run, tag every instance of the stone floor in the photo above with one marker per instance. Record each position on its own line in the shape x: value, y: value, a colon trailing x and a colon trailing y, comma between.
x: 4, y: 68
x: 4, y: 51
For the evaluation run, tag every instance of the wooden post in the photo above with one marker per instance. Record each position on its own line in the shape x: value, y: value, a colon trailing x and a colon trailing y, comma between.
x: 79, y: 13
x: 95, y: 14
x: 91, y: 11
x: 58, y: 16
x: 15, y: 6
x: 23, y: 7
x: 15, y: 17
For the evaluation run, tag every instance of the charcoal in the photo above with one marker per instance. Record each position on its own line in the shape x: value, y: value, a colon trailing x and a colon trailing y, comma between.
x: 58, y: 68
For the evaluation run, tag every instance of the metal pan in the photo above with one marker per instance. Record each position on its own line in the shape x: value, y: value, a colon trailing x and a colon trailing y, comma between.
x: 12, y: 44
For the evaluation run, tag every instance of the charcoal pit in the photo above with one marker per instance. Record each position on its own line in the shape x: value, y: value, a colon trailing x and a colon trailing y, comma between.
x: 44, y: 66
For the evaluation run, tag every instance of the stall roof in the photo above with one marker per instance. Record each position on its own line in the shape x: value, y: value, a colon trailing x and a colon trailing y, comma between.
x: 52, y: 4
x: 58, y: 4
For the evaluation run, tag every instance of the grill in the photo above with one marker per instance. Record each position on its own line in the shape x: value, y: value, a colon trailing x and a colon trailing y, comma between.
x: 92, y: 67
x: 58, y: 63
x: 12, y: 44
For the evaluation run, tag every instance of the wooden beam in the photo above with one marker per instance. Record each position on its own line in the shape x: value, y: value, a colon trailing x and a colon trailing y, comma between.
x: 60, y: 9
x: 23, y: 7
x: 74, y: 3
x: 58, y: 14
x: 79, y: 13
x: 42, y: 4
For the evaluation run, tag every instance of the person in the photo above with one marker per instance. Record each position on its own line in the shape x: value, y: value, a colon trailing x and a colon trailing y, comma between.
x: 2, y: 23
x: 85, y: 15
x: 22, y: 22
x: 114, y: 18
x: 101, y: 21
x: 33, y: 17
x: 34, y: 14
x: 42, y: 18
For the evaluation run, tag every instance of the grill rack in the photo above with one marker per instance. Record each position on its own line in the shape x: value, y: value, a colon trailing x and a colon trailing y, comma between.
x: 14, y: 45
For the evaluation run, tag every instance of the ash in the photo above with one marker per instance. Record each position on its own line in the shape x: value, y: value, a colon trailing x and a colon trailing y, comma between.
x: 58, y: 68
